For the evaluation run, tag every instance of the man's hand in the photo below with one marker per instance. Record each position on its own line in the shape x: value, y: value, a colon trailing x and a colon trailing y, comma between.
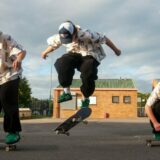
x: 157, y: 126
x: 16, y: 64
x: 44, y: 55
x: 118, y: 52
x: 113, y: 47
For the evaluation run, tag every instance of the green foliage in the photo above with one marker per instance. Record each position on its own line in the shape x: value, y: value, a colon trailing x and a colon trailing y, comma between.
x: 41, y: 107
x: 24, y: 93
x: 143, y: 95
x: 143, y: 99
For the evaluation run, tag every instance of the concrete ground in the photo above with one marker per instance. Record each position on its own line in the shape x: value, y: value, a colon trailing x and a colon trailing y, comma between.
x: 99, y: 140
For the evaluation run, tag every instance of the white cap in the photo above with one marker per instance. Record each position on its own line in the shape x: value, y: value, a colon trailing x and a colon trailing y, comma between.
x: 66, y: 31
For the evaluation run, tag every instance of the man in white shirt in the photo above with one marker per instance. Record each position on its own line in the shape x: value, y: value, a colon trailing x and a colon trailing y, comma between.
x: 152, y: 109
x: 84, y: 53
x: 11, y: 56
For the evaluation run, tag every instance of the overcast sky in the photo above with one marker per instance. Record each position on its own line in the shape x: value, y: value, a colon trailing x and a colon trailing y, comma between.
x: 133, y: 25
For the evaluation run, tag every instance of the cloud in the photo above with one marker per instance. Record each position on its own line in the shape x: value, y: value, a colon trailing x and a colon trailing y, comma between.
x: 132, y: 25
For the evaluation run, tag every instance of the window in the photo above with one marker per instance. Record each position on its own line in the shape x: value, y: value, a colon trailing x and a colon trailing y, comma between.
x: 115, y: 99
x: 127, y: 99
x: 69, y: 105
x: 93, y: 100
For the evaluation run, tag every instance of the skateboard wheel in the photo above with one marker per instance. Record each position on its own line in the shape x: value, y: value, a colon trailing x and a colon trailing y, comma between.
x: 67, y: 133
x: 14, y: 147
x: 149, y: 144
x: 73, y: 120
x: 57, y: 132
x: 10, y: 148
x: 85, y: 122
x: 7, y: 149
x: 79, y: 119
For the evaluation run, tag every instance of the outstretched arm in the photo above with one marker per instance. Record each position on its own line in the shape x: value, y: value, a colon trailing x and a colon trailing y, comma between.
x: 46, y: 51
x: 113, y: 47
x: 53, y: 44
x: 18, y: 60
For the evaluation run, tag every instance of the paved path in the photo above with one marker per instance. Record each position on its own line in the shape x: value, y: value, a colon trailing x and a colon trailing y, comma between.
x: 109, y: 140
x: 52, y: 120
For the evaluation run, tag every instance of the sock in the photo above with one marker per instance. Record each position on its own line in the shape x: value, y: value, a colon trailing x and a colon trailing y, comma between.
x: 85, y: 98
x: 67, y: 90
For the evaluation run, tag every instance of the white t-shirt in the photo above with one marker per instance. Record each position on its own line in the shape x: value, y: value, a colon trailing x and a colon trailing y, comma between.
x: 88, y: 43
x: 9, y: 49
x: 155, y: 95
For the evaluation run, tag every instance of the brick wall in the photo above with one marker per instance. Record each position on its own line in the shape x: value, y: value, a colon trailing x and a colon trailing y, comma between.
x: 103, y: 104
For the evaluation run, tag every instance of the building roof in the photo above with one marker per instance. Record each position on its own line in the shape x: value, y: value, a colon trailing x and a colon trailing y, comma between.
x: 107, y: 83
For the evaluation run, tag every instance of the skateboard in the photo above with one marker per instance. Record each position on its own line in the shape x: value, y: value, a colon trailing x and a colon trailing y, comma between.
x: 72, y: 121
x: 152, y: 142
x: 8, y: 147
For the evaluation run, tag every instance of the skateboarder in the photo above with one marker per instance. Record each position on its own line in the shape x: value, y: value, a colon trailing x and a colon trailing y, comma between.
x: 152, y: 109
x: 11, y: 56
x: 84, y: 53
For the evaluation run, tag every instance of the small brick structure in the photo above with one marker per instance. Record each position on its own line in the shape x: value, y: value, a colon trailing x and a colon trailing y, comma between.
x: 113, y: 98
x: 25, y: 113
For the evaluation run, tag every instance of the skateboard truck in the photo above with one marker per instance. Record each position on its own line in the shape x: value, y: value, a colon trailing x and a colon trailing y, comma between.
x: 62, y: 132
x: 152, y: 142
x: 10, y: 147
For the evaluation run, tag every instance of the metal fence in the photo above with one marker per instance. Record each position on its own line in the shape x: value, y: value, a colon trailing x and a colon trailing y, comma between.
x: 141, y: 112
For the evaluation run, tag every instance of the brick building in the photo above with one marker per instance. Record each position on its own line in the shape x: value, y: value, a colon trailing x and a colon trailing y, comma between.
x: 113, y: 98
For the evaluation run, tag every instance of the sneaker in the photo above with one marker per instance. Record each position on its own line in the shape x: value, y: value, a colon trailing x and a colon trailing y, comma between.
x: 64, y: 97
x: 157, y: 136
x: 85, y: 103
x: 12, y: 138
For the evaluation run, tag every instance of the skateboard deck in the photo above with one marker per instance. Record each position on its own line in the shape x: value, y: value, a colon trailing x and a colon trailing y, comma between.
x: 8, y: 147
x: 72, y: 121
x: 152, y: 142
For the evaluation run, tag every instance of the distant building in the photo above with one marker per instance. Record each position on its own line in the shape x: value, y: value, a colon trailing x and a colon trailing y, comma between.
x: 113, y: 98
x: 25, y: 113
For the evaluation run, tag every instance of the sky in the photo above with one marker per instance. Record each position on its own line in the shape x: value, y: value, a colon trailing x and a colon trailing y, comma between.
x: 132, y: 25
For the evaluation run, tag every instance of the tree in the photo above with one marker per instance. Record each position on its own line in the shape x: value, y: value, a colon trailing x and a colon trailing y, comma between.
x: 143, y: 98
x: 24, y: 93
x: 41, y: 106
